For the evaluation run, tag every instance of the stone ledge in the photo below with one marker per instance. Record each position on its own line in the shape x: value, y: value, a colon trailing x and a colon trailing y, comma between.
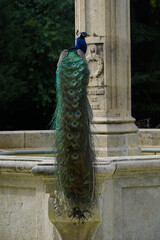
x: 149, y: 138
x: 10, y: 166
x: 110, y: 120
x: 110, y: 166
x: 43, y: 166
x: 44, y: 139
x: 44, y: 169
x: 27, y: 139
x: 18, y: 164
x: 93, y: 40
x: 114, y: 128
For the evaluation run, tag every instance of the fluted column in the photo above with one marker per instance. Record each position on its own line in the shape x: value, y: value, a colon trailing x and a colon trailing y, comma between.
x: 108, y: 56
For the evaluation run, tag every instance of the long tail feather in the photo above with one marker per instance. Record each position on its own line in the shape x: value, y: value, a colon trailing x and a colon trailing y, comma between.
x: 75, y: 154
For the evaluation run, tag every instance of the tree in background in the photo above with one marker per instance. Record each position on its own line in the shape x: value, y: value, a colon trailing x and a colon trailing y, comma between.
x: 33, y: 34
x: 145, y: 29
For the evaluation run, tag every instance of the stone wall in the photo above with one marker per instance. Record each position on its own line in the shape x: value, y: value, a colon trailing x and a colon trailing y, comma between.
x: 128, y: 200
x: 27, y: 139
x: 46, y: 139
x: 23, y: 202
x: 149, y: 138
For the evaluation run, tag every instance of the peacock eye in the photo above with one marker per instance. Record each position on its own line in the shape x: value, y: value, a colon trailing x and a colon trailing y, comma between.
x: 75, y: 156
x: 69, y: 136
x: 69, y: 114
x: 71, y: 92
x: 76, y: 98
x: 75, y: 104
x: 78, y: 114
x: 75, y: 124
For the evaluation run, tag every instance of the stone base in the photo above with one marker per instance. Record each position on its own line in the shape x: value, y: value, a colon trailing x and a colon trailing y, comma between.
x: 116, y: 137
x: 69, y: 228
x: 128, y: 196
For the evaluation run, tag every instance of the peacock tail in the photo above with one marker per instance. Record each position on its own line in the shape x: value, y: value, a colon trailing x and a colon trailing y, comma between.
x: 75, y: 152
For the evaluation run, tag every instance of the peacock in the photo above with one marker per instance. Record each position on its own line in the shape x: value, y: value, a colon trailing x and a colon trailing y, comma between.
x: 75, y: 177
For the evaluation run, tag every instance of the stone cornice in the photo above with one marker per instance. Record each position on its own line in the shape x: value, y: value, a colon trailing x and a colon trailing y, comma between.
x: 106, y: 167
x: 20, y: 164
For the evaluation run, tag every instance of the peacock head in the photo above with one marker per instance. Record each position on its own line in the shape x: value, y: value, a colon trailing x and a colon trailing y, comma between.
x: 84, y: 34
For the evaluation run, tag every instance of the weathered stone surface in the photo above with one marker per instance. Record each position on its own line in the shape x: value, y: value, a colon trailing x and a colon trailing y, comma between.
x: 108, y: 56
x: 141, y: 202
x: 11, y: 139
x: 17, y: 202
x: 23, y: 204
x: 149, y: 137
x: 27, y: 139
x: 39, y: 139
x: 128, y: 200
x: 69, y: 229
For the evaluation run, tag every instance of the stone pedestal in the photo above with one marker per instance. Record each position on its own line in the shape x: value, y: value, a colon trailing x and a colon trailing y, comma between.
x: 108, y: 56
x: 128, y: 196
x: 70, y: 229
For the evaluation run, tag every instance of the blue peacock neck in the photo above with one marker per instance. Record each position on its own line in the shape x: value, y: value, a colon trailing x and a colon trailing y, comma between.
x: 81, y: 44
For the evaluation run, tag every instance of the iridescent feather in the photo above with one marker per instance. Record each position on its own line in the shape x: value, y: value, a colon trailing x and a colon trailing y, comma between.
x: 75, y: 154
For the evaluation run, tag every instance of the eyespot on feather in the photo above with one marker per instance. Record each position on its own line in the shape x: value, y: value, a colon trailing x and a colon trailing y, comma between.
x: 76, y: 98
x: 75, y: 105
x: 75, y: 124
x: 79, y: 90
x: 75, y: 145
x: 75, y: 73
x: 78, y: 114
x: 77, y: 135
x: 70, y: 115
x: 73, y: 83
x: 80, y: 77
x: 75, y: 156
x: 71, y: 92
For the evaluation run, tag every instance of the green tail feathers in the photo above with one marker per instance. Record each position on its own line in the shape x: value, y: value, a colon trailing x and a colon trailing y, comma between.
x: 75, y: 154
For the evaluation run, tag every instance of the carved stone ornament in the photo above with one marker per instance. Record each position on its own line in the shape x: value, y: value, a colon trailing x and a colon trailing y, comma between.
x: 94, y: 57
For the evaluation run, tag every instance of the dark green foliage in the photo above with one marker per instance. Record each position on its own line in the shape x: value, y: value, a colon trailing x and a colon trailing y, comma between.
x: 145, y: 29
x: 33, y: 33
x: 75, y: 155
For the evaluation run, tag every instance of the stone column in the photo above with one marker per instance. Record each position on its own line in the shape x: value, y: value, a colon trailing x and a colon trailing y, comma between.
x: 108, y: 56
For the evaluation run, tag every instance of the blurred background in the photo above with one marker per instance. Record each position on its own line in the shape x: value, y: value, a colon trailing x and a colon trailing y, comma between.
x: 34, y: 32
